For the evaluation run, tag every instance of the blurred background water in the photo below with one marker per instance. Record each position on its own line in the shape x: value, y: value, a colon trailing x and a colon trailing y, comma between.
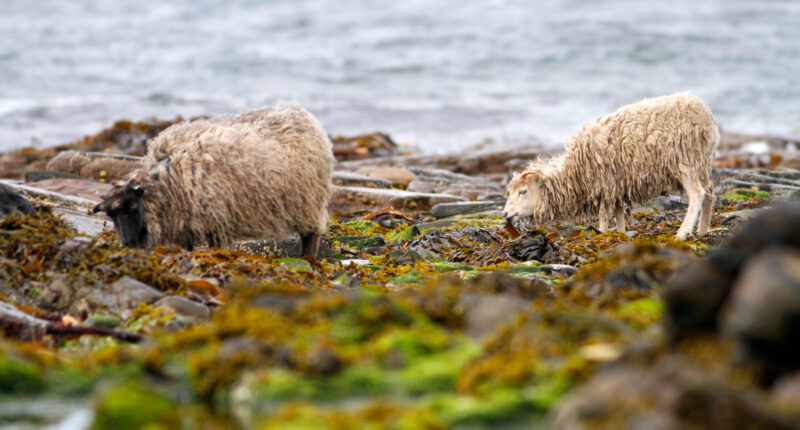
x: 442, y: 74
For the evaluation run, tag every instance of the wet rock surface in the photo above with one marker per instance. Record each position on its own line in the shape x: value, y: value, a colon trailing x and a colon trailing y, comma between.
x: 445, y: 210
x: 41, y: 175
x: 356, y: 180
x: 673, y: 394
x: 85, y: 189
x: 695, y: 297
x: 765, y: 309
x: 12, y: 201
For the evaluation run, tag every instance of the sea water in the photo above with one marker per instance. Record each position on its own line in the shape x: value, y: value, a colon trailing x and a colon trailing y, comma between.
x: 441, y: 74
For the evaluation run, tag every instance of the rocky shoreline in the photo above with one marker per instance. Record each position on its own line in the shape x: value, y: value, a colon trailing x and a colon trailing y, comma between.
x: 420, y: 311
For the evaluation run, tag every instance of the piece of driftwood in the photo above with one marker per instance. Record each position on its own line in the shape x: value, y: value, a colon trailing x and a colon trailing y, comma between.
x: 18, y: 324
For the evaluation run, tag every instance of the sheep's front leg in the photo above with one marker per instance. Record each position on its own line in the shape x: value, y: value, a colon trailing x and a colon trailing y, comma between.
x: 695, y: 193
x: 310, y: 244
x: 604, y: 218
x: 620, y: 215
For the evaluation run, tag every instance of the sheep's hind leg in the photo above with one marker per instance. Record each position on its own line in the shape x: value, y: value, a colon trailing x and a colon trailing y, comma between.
x: 705, y: 212
x: 695, y: 193
x: 620, y: 215
x: 310, y: 244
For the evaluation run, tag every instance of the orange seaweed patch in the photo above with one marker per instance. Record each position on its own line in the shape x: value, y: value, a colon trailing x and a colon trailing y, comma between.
x: 201, y: 286
x: 512, y: 231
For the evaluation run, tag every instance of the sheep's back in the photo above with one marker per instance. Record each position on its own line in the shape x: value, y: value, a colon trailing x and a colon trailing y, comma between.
x: 237, y: 179
x: 643, y: 148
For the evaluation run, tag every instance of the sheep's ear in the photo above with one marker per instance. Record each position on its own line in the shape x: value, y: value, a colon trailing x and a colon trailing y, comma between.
x: 530, y: 176
x: 99, y: 207
x: 538, y: 184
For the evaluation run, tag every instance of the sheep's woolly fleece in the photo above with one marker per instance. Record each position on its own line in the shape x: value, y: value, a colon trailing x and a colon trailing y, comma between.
x: 629, y: 156
x: 262, y: 173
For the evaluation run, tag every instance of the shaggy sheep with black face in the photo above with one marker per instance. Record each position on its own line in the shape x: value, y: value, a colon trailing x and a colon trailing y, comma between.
x: 629, y: 156
x: 261, y: 174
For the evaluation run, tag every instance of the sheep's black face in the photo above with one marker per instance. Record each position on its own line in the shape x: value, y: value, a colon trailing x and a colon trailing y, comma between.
x: 125, y: 208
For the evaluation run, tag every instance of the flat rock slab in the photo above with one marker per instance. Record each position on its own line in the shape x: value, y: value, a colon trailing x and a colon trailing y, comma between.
x: 730, y: 184
x: 356, y: 180
x: 83, y: 222
x: 184, y: 306
x: 467, y: 190
x: 760, y: 176
x: 444, y: 210
x: 41, y: 175
x: 58, y: 198
x: 86, y: 189
x: 396, y: 175
x: 445, y: 176
x: 352, y: 200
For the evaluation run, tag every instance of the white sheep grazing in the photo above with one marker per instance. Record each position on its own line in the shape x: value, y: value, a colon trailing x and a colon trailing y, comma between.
x: 629, y: 156
x: 261, y: 174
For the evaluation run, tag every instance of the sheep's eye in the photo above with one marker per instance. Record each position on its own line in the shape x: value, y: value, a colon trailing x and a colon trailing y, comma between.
x: 522, y: 192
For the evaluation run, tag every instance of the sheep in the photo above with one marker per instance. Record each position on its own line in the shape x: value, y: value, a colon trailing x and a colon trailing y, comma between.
x: 629, y: 156
x: 262, y: 173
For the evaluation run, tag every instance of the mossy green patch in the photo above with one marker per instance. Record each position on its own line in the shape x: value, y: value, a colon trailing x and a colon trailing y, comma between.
x: 531, y: 266
x: 282, y: 384
x: 20, y: 377
x: 377, y: 414
x: 499, y: 407
x: 436, y: 372
x: 446, y: 266
x: 296, y: 264
x: 70, y: 381
x: 643, y: 311
x: 743, y: 194
x: 103, y: 321
x: 404, y: 235
x: 412, y: 277
x: 130, y: 406
x: 361, y: 225
x: 645, y: 306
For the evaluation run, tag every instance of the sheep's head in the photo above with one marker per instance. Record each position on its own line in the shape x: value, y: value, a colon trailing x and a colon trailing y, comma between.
x: 525, y: 200
x: 124, y: 207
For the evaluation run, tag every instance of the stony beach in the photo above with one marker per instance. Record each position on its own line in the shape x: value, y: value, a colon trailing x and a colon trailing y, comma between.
x: 420, y: 311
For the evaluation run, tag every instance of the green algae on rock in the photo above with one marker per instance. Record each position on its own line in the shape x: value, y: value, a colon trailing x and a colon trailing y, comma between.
x: 132, y: 406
